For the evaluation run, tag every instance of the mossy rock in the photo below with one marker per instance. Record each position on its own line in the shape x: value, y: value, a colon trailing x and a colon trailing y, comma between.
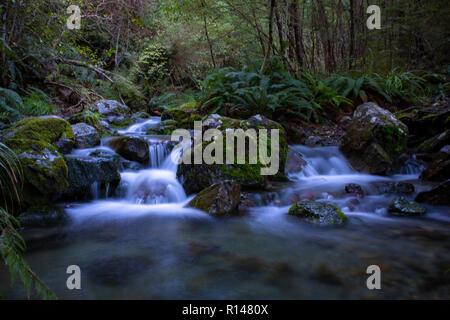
x: 44, y: 168
x: 219, y: 200
x: 374, y: 140
x: 320, y: 213
x: 402, y: 207
x: 184, y: 118
x: 248, y: 174
x: 47, y: 129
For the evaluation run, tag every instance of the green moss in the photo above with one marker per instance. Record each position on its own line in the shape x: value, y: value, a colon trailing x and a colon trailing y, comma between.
x: 392, y: 139
x: 49, y: 129
x: 44, y: 167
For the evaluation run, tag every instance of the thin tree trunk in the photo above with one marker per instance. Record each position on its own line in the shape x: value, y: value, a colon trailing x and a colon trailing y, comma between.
x: 270, y: 41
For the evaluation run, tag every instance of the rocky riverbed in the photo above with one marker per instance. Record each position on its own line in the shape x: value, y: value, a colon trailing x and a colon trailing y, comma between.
x: 107, y: 196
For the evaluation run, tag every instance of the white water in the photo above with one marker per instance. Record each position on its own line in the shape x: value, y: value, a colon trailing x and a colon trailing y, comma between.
x: 143, y: 127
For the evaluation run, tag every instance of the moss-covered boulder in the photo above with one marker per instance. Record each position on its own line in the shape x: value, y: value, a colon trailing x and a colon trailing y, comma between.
x: 320, y: 213
x: 374, y: 139
x: 44, y: 168
x: 439, y: 196
x: 402, y: 207
x: 47, y: 129
x: 219, y: 200
x: 131, y: 148
x: 247, y: 173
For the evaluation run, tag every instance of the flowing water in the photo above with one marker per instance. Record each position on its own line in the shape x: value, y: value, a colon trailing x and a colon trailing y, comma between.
x: 145, y: 244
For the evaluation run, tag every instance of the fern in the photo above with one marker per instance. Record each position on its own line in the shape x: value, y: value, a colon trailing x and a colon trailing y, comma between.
x: 10, y: 104
x: 12, y: 244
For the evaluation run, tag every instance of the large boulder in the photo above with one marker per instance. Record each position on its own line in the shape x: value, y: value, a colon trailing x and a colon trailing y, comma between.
x: 86, y: 172
x: 374, y: 139
x: 402, y: 207
x: 86, y: 136
x: 49, y: 129
x: 439, y: 195
x: 131, y: 148
x: 44, y: 169
x: 110, y: 108
x: 320, y: 213
x: 197, y: 177
x: 218, y: 200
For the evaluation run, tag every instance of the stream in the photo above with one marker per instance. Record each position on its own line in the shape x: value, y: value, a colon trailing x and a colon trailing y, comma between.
x: 144, y: 243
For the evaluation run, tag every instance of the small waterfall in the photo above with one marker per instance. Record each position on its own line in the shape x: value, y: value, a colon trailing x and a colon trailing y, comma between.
x: 141, y: 128
x: 95, y: 190
x: 153, y: 187
x: 326, y: 161
x: 159, y: 150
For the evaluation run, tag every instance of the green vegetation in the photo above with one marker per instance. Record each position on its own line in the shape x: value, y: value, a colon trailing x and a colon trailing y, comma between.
x: 11, y: 243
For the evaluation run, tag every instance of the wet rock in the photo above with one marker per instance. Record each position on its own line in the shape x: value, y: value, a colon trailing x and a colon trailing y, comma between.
x: 388, y: 187
x: 86, y: 136
x: 374, y: 140
x: 65, y: 146
x: 402, y: 207
x: 321, y: 213
x: 354, y: 189
x: 438, y: 170
x: 110, y: 108
x: 294, y: 162
x: 131, y: 148
x: 439, y: 195
x: 84, y: 173
x: 36, y: 217
x: 219, y: 200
